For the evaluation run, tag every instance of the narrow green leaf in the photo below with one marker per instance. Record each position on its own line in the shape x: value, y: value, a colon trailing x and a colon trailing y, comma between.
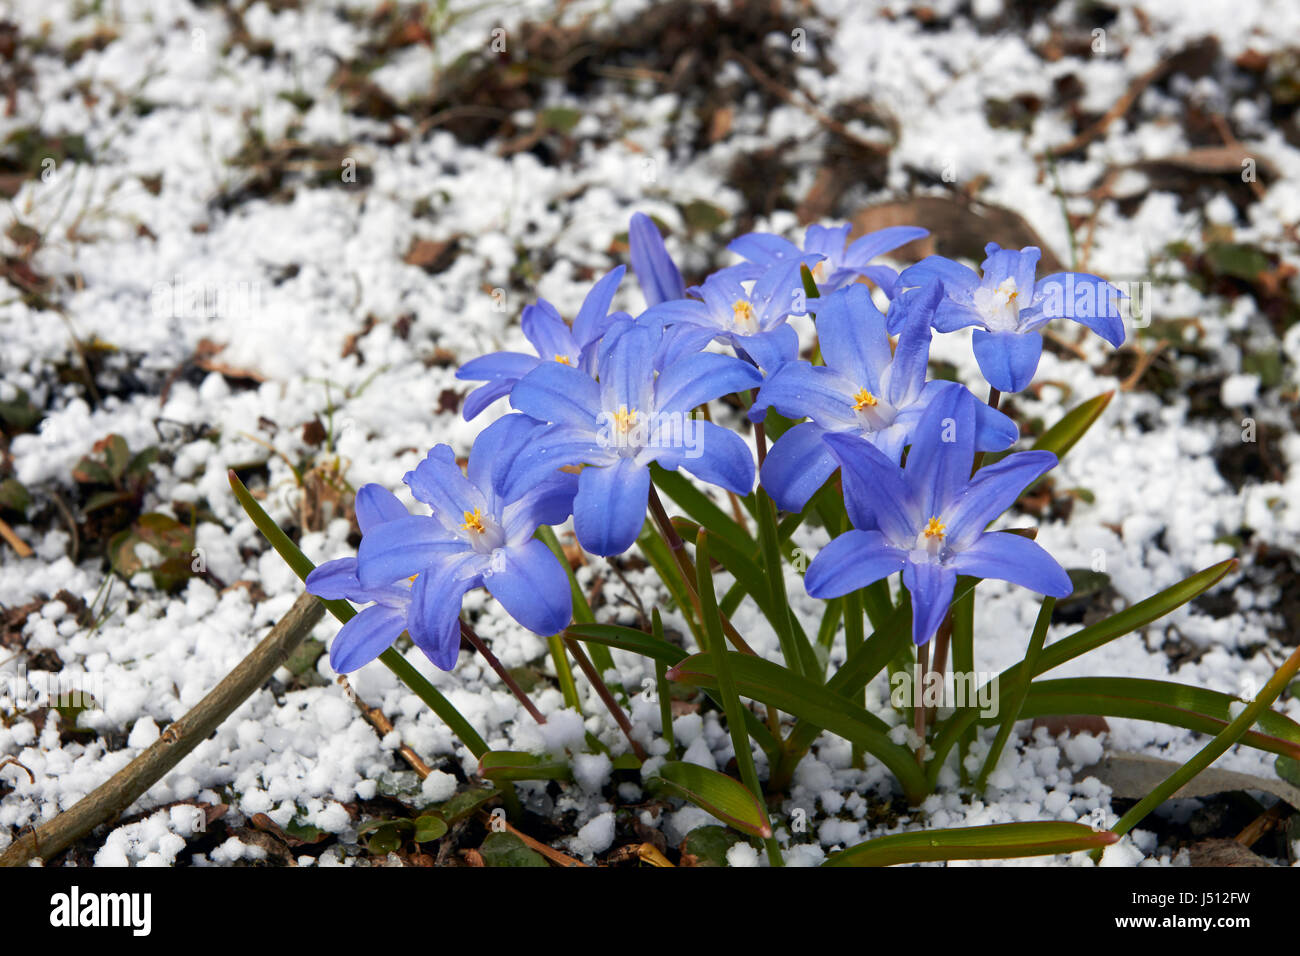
x: 500, y: 765
x: 725, y: 797
x: 1081, y: 642
x: 999, y: 841
x: 1179, y: 705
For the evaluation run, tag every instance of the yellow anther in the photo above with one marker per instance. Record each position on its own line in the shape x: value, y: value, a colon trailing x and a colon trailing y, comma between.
x: 935, y: 528
x: 742, y: 313
x: 562, y: 359
x: 474, y: 521
x: 624, y: 420
x: 863, y: 399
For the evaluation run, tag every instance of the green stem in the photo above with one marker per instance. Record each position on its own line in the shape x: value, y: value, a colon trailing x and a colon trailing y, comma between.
x: 582, y: 614
x: 853, y: 640
x: 663, y: 690
x: 1036, y: 641
x: 963, y: 662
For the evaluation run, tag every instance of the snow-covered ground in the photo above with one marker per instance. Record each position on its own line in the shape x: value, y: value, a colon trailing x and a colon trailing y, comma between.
x: 231, y: 235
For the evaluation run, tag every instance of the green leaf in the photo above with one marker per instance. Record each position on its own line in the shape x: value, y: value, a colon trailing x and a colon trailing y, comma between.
x: 1130, y: 619
x: 628, y: 639
x: 1081, y: 642
x: 1000, y: 841
x: 14, y: 497
x: 1288, y: 769
x: 506, y: 849
x: 429, y: 827
x: 503, y: 765
x: 105, y: 499
x: 725, y: 797
x: 1165, y: 702
x: 708, y: 846
x: 172, y: 540
x: 463, y: 804
x: 770, y: 683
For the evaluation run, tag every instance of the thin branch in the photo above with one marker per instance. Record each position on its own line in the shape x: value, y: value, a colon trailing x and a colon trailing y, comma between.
x: 109, y: 800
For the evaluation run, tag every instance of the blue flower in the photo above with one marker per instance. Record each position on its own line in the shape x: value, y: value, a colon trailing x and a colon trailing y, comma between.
x: 928, y: 518
x: 1009, y: 308
x: 655, y: 270
x: 632, y: 416
x: 553, y: 339
x: 365, y: 636
x: 862, y: 390
x: 841, y: 262
x: 753, y: 322
x: 418, y: 567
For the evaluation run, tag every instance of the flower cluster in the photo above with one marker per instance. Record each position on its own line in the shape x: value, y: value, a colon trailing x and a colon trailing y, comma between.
x: 609, y: 395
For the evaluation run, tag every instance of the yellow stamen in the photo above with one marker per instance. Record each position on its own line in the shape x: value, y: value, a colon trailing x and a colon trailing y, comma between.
x: 474, y: 521
x: 863, y: 399
x: 935, y: 528
x: 562, y: 359
x: 624, y: 420
x: 742, y: 313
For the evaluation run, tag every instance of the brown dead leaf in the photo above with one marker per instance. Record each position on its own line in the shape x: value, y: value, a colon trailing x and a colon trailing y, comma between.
x: 433, y: 256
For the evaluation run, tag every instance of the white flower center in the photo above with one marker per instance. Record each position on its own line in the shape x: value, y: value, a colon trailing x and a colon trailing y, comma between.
x: 1000, y: 307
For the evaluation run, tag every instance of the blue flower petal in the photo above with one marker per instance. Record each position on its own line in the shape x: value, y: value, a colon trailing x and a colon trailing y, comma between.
x: 434, y: 618
x: 796, y: 466
x: 439, y: 483
x: 799, y: 390
x: 1010, y: 557
x: 769, y: 350
x: 853, y: 338
x: 549, y: 334
x: 713, y: 454
x: 875, y: 492
x: 764, y: 248
x: 1008, y: 360
x: 611, y: 505
x: 866, y: 247
x: 398, y: 549
x: 1084, y: 298
x: 851, y: 561
x: 699, y: 378
x: 553, y: 392
x: 375, y: 505
x: 531, y: 585
x: 593, y: 318
x: 992, y: 491
x: 954, y: 276
x: 335, y: 580
x: 548, y: 502
x: 943, y: 450
x: 931, y: 588
x: 365, y: 637
x: 655, y: 270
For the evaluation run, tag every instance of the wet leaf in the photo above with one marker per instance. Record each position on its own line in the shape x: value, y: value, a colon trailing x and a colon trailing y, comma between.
x: 506, y: 849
